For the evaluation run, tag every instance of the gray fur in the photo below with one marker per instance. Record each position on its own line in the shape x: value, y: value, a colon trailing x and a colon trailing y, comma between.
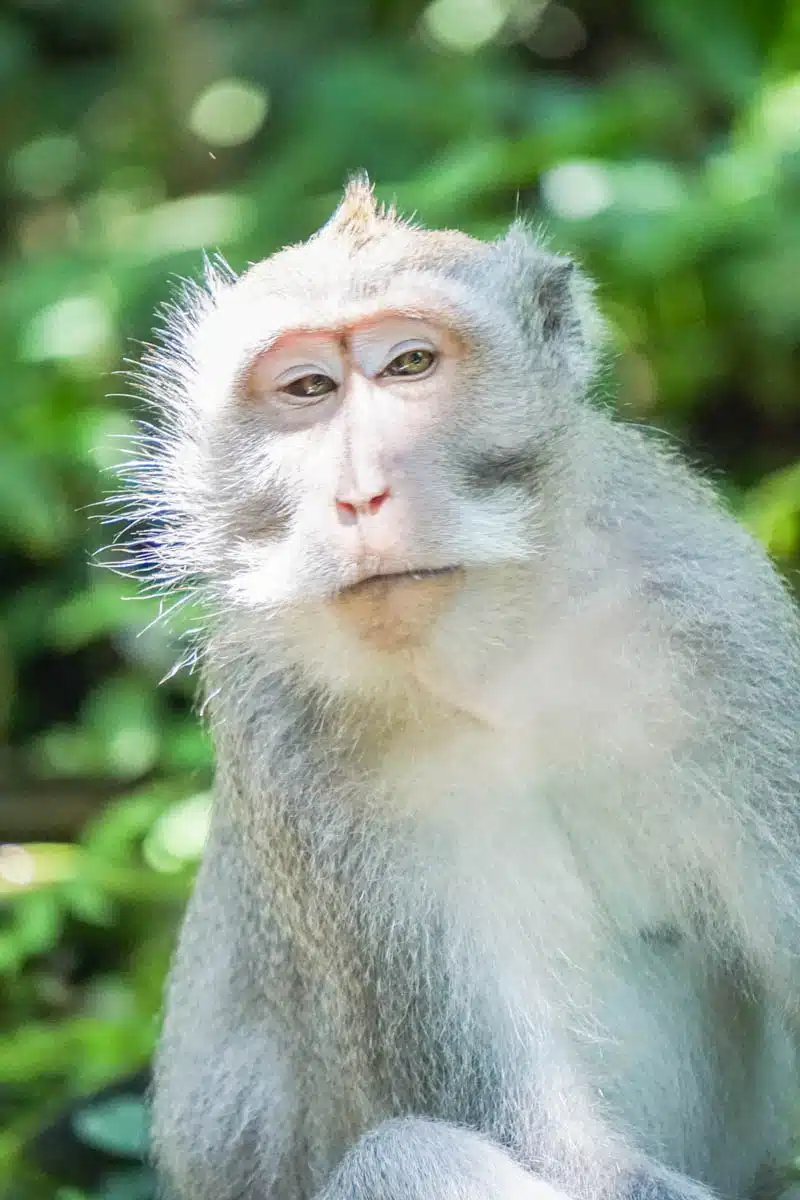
x: 525, y: 468
x: 516, y: 914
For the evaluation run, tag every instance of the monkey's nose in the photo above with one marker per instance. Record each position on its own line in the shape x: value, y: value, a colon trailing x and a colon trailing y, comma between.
x: 361, y: 506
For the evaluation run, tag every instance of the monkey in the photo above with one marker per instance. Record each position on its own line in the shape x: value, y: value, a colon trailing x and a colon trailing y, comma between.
x: 501, y: 891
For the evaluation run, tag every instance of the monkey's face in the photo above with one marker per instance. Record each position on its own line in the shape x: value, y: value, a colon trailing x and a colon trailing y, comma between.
x: 368, y: 501
x: 355, y: 415
x: 365, y: 451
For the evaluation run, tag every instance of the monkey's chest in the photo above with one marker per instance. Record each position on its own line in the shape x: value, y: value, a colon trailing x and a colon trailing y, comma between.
x: 516, y: 944
x: 525, y: 855
x: 467, y: 988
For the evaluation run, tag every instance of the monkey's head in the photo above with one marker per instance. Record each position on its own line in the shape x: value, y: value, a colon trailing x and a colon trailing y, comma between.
x: 361, y: 436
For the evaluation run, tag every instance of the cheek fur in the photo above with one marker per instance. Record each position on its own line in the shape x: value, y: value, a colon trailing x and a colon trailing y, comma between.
x: 267, y: 517
x: 479, y: 472
x: 256, y: 502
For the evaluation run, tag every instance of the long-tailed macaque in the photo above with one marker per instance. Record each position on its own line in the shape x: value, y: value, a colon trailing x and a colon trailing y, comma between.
x: 501, y: 898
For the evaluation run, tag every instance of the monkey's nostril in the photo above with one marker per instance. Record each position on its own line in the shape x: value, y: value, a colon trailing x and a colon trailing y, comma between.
x: 369, y: 504
x: 375, y: 502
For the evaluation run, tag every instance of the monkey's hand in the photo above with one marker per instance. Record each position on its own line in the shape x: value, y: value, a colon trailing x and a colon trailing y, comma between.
x: 412, y: 1158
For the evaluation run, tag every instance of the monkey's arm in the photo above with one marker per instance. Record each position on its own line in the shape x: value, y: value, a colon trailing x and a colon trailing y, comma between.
x: 418, y: 1159
x: 224, y: 1103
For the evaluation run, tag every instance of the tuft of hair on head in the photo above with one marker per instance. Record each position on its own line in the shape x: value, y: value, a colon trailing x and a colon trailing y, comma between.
x: 359, y: 217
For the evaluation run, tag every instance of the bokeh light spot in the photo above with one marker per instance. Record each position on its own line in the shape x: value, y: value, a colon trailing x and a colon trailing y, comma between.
x: 465, y: 25
x: 778, y: 114
x: 70, y: 328
x: 229, y: 112
x: 179, y: 835
x: 45, y: 166
x: 17, y: 865
x: 577, y: 190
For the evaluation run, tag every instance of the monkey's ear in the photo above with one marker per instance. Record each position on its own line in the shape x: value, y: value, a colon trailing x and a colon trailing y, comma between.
x: 571, y: 330
x: 555, y: 301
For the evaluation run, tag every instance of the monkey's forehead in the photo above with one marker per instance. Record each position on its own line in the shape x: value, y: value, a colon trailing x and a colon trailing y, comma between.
x: 329, y: 281
x: 368, y: 264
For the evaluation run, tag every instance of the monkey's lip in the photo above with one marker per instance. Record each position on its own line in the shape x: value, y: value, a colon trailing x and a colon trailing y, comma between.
x: 387, y: 578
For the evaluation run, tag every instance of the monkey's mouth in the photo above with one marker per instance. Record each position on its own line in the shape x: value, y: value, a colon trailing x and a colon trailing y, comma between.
x: 393, y: 610
x: 387, y: 578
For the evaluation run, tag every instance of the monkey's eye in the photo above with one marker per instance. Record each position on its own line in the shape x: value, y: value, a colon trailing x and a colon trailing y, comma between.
x: 411, y: 362
x: 310, y: 387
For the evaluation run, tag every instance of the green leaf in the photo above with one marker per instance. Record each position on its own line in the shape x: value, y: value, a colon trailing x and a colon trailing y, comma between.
x: 117, y: 1126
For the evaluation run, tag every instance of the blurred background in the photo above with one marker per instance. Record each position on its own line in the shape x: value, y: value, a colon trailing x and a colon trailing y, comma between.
x: 658, y: 140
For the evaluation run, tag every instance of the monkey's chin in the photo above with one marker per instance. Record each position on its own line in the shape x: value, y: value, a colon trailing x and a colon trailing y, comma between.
x: 394, y: 612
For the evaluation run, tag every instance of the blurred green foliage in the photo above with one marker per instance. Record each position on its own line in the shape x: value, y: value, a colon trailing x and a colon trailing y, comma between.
x: 659, y: 140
